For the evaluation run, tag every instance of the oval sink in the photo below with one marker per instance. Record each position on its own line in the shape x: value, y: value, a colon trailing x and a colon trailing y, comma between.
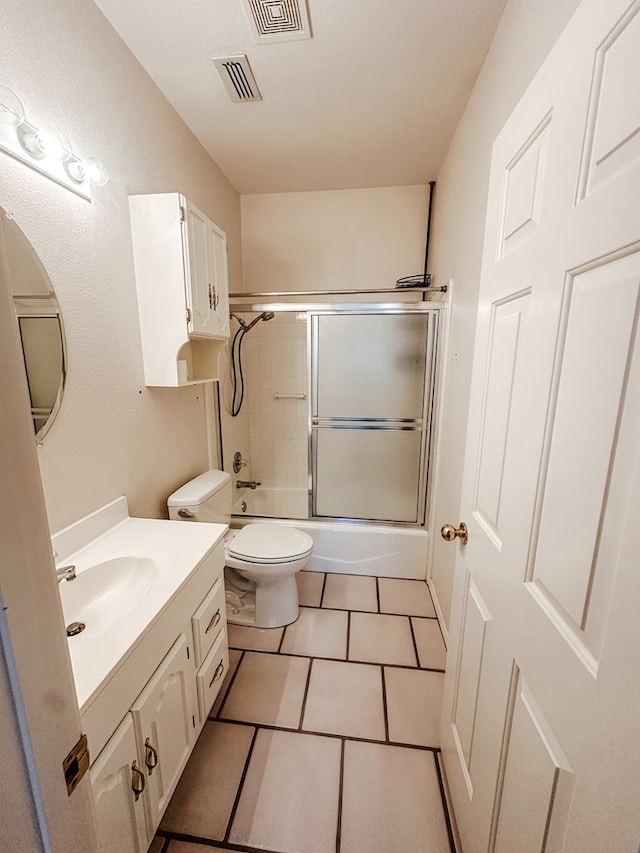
x: 107, y: 592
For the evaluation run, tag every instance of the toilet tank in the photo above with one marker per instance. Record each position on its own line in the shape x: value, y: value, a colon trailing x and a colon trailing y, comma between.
x: 205, y: 498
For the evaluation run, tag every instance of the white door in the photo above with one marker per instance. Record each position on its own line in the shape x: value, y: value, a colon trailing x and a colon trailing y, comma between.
x: 541, y: 720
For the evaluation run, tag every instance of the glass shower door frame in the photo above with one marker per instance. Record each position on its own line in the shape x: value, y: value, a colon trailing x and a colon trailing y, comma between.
x: 421, y: 424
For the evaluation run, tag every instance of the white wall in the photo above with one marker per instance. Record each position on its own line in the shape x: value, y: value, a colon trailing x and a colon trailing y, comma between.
x: 526, y: 33
x: 113, y: 436
x: 333, y: 240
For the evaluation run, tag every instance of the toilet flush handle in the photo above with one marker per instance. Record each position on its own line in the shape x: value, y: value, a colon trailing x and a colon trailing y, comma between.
x: 186, y: 513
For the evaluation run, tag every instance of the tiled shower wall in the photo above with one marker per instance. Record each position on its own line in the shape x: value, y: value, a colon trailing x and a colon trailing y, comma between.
x: 275, y: 359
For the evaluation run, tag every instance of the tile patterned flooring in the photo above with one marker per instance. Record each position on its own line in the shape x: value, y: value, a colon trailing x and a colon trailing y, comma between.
x: 324, y: 738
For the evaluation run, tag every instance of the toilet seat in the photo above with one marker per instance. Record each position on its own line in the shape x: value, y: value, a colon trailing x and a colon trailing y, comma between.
x: 269, y: 543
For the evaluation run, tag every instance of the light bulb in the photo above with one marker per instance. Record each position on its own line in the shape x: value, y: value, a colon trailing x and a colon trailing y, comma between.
x: 11, y: 109
x: 90, y: 169
x: 46, y: 143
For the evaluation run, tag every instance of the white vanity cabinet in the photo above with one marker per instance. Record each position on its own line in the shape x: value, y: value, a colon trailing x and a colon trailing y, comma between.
x: 169, y: 683
x: 180, y: 260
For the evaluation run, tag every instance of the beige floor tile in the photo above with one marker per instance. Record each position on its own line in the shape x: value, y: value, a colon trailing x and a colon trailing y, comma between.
x: 268, y: 689
x: 202, y: 802
x: 391, y: 801
x: 289, y: 800
x: 345, y: 699
x: 351, y: 592
x: 406, y: 597
x: 258, y: 639
x: 156, y: 845
x: 432, y: 652
x: 319, y: 633
x: 414, y: 703
x: 377, y: 638
x: 310, y: 588
x: 234, y: 660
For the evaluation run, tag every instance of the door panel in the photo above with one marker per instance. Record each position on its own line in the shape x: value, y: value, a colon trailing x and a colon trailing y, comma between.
x: 540, y: 717
x: 537, y: 783
x: 594, y: 352
x: 505, y: 326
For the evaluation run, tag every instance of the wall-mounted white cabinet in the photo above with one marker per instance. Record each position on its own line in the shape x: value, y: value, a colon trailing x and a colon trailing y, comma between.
x: 180, y: 260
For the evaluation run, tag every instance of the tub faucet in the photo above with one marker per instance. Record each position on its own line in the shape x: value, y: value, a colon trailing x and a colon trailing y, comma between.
x: 66, y: 573
x: 247, y: 484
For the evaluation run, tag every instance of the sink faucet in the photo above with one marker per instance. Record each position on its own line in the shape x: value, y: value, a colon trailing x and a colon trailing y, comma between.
x: 247, y: 484
x: 66, y: 573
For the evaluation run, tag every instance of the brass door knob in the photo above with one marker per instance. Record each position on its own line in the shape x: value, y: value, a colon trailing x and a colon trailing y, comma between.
x: 449, y: 532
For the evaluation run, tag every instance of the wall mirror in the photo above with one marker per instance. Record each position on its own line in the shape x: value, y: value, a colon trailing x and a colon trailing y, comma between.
x: 39, y: 323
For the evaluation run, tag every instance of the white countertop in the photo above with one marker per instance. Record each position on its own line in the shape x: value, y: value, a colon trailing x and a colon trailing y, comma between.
x: 176, y: 548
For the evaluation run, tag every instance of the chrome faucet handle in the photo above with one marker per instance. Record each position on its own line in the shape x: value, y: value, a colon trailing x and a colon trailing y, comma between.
x: 238, y: 462
x: 66, y: 573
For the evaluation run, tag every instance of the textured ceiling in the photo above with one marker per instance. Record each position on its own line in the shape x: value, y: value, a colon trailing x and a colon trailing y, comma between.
x: 371, y: 100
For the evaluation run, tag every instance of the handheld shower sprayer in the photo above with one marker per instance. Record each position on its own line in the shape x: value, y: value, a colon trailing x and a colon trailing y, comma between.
x: 236, y: 357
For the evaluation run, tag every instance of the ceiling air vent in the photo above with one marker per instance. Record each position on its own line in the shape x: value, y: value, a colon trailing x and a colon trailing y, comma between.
x: 278, y: 20
x: 238, y: 78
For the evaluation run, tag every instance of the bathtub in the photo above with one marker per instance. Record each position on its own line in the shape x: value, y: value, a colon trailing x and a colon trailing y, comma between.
x: 344, y: 548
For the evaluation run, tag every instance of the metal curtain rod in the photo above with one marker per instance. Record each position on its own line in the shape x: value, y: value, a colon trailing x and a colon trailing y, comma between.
x: 298, y: 293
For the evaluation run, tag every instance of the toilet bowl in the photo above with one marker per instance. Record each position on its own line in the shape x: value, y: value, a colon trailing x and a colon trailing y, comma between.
x: 261, y: 559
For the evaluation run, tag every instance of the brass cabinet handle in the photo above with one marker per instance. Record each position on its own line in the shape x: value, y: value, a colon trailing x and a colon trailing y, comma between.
x: 137, y: 780
x: 214, y: 620
x: 150, y: 756
x: 218, y: 673
x: 214, y: 299
x: 449, y: 533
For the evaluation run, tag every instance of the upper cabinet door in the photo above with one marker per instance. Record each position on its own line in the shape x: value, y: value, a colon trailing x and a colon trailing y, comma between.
x: 206, y: 275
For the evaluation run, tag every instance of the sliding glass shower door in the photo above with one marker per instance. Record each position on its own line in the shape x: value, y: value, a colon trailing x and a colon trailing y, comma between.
x: 371, y: 394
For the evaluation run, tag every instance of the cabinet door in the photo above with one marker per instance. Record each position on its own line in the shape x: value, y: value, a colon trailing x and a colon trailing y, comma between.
x: 120, y: 816
x: 219, y: 280
x: 206, y: 273
x: 165, y: 716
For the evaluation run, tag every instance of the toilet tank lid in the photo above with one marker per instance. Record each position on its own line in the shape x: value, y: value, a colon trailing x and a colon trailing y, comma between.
x: 197, y: 491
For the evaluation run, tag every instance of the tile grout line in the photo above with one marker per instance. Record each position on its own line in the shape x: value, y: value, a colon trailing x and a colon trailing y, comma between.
x: 384, y: 704
x: 272, y: 728
x: 236, y: 801
x: 229, y: 686
x: 378, y: 593
x: 348, y: 649
x: 340, y: 796
x: 445, y: 806
x: 324, y: 586
x: 342, y: 660
x: 208, y: 843
x: 415, y: 644
x: 306, y: 693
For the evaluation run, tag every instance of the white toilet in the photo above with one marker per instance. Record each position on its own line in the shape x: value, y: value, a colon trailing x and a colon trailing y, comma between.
x: 261, y: 560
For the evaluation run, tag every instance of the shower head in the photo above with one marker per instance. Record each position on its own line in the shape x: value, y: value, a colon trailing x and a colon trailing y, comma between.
x: 266, y: 315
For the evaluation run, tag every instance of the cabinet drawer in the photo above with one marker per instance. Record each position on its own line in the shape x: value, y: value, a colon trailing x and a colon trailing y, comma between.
x: 208, y: 621
x: 211, y: 675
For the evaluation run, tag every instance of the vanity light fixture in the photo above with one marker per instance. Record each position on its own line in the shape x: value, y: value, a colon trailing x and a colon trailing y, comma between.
x: 46, y: 150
